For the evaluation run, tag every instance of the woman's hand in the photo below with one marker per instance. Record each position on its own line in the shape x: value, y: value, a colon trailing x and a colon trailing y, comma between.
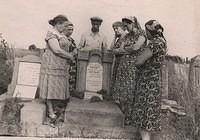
x: 143, y: 56
x: 129, y: 48
x: 75, y: 51
x: 118, y: 51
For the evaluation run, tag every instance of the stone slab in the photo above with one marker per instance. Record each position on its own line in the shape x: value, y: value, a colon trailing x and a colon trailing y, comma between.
x: 33, y: 112
x: 83, y: 112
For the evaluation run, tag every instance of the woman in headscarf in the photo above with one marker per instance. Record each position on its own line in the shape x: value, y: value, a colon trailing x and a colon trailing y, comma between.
x: 147, y: 107
x: 54, y: 68
x: 115, y: 48
x: 124, y: 86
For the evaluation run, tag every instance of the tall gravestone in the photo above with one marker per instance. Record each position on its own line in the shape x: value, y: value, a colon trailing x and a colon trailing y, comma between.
x: 93, y: 72
x: 94, y: 75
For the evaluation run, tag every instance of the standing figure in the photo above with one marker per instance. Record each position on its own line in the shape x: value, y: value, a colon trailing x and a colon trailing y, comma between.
x: 94, y: 39
x: 55, y: 66
x: 147, y: 107
x: 72, y: 49
x: 115, y: 49
x: 124, y: 86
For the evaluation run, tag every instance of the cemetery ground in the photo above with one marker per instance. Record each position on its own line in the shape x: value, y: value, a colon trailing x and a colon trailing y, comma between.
x: 180, y: 114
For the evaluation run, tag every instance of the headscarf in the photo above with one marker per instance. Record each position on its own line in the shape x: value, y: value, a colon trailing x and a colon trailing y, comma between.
x: 155, y: 28
x: 117, y: 24
x: 134, y: 20
x: 139, y: 31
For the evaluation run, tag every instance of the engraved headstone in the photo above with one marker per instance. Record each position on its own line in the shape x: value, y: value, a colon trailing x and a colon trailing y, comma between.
x: 94, y: 75
x: 25, y: 80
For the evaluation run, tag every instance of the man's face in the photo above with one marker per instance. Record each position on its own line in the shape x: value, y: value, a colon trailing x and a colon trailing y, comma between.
x: 95, y: 26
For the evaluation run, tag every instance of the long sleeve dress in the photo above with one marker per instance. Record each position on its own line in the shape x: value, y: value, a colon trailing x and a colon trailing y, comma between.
x: 146, y: 113
x: 124, y: 86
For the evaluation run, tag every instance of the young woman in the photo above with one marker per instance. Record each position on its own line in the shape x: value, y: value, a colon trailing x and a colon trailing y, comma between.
x: 72, y: 49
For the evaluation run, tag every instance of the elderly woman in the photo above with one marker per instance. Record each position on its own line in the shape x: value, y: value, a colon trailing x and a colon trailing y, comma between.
x: 124, y: 86
x: 72, y: 49
x: 115, y: 48
x: 55, y: 65
x: 147, y: 107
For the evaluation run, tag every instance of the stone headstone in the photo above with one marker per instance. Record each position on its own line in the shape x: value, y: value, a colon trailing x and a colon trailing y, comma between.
x: 87, y: 57
x: 94, y: 75
x: 25, y: 80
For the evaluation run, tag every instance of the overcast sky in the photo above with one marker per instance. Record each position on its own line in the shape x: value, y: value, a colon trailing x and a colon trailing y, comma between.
x: 25, y: 22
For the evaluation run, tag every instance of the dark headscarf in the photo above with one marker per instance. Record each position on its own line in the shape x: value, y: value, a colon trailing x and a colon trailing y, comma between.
x: 155, y: 28
x: 133, y: 19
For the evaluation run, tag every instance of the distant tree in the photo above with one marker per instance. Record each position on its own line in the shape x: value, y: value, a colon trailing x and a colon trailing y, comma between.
x: 5, y: 70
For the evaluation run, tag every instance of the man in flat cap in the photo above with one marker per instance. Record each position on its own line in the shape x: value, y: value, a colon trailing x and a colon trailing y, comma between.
x: 93, y: 39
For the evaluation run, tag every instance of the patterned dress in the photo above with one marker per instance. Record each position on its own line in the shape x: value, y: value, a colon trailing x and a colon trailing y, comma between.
x: 54, y: 72
x: 124, y: 86
x: 115, y: 45
x: 146, y: 114
x: 73, y: 67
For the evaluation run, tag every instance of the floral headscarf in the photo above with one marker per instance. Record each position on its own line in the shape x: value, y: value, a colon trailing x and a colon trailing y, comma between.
x: 134, y: 20
x: 155, y: 28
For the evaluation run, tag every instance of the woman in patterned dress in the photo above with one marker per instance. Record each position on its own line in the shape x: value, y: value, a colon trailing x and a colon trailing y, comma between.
x: 124, y: 86
x: 55, y: 65
x: 147, y: 107
x: 72, y: 49
x: 115, y: 48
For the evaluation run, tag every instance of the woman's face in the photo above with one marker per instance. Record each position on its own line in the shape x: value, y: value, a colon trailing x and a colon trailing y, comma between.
x: 61, y: 26
x: 118, y: 30
x: 68, y: 30
x: 149, y: 36
x: 129, y: 26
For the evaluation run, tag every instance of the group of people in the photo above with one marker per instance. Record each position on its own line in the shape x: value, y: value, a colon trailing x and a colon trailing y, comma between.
x: 136, y: 71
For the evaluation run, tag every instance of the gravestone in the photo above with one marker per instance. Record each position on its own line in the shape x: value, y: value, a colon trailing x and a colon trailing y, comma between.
x: 94, y: 75
x: 25, y: 80
x: 93, y: 72
x: 24, y: 85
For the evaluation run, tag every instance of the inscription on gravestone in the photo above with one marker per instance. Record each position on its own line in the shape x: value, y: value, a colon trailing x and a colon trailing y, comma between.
x: 94, y: 80
x: 27, y: 80
x: 94, y: 77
